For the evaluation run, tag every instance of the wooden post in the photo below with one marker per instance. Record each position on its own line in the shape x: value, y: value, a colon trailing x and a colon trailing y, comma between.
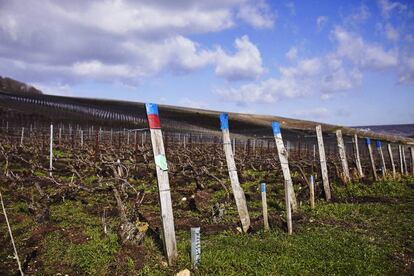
x: 404, y: 160
x: 288, y: 207
x: 357, y: 158
x: 81, y: 137
x: 312, y: 192
x: 234, y: 178
x: 342, y: 155
x: 22, y: 137
x: 283, y: 158
x: 60, y: 136
x: 371, y: 158
x: 391, y: 160
x: 412, y: 159
x: 401, y: 159
x: 51, y: 151
x: 379, y: 149
x: 324, y: 167
x: 264, y: 206
x: 167, y: 217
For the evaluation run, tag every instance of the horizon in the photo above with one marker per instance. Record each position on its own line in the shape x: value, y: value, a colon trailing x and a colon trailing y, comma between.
x: 340, y: 63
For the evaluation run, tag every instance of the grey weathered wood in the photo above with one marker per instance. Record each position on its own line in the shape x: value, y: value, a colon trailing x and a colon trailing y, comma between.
x: 81, y: 137
x: 324, y: 167
x: 404, y: 160
x: 381, y: 154
x: 22, y: 137
x: 371, y: 159
x: 401, y: 159
x: 312, y: 192
x: 283, y: 158
x: 357, y: 157
x: 238, y: 192
x: 342, y: 156
x: 412, y: 159
x: 288, y: 207
x: 264, y: 206
x: 167, y: 217
x: 391, y: 159
x: 51, y: 151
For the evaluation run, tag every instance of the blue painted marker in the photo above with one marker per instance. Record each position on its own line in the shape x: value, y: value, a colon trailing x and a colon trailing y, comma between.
x: 276, y: 128
x: 378, y: 143
x: 224, y: 121
x: 263, y: 187
x: 368, y: 141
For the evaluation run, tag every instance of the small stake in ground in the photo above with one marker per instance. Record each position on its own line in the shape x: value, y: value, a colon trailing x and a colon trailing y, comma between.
x: 51, y: 151
x: 167, y: 217
x: 264, y: 206
x: 312, y: 192
x: 195, y: 247
x: 234, y: 178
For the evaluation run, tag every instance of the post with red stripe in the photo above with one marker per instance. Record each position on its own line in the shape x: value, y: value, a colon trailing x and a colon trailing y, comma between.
x: 167, y: 217
x: 238, y: 192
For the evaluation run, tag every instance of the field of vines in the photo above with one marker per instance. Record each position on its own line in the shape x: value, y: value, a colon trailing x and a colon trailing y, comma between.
x: 97, y: 211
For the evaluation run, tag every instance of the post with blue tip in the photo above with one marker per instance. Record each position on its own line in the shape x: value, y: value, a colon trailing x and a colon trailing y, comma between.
x: 378, y: 145
x: 238, y: 192
x: 167, y: 217
x: 371, y: 158
x: 283, y: 159
x: 264, y: 206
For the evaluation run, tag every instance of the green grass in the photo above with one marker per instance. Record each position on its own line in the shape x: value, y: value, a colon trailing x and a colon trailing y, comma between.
x: 361, y: 234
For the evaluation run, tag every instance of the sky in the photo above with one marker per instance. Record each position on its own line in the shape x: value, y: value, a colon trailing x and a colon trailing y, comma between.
x: 340, y: 62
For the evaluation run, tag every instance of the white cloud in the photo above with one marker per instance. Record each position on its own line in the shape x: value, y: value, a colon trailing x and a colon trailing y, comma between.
x: 292, y: 54
x: 391, y: 33
x: 313, y: 113
x: 246, y: 63
x: 187, y: 102
x: 321, y: 21
x: 365, y: 55
x: 258, y: 14
x: 124, y: 40
x: 387, y: 7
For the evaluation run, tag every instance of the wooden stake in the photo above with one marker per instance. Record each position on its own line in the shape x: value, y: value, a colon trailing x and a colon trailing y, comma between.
x: 371, y: 158
x: 234, y: 179
x: 324, y: 167
x: 412, y: 159
x: 312, y: 192
x: 167, y: 217
x: 391, y: 160
x: 51, y: 151
x: 404, y: 160
x: 283, y: 158
x: 22, y: 137
x: 357, y: 158
x: 342, y: 155
x: 379, y: 149
x: 264, y: 206
x: 81, y: 137
x: 288, y: 207
x: 401, y: 159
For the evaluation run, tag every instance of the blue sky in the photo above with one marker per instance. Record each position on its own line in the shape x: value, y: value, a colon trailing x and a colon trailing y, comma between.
x: 340, y: 62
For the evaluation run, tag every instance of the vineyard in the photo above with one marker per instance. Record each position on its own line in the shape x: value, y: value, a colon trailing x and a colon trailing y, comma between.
x: 80, y: 180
